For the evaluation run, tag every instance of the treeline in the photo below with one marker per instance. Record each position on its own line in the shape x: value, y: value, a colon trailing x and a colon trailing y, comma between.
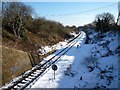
x: 17, y: 20
x: 15, y: 16
x: 21, y: 31
x: 46, y: 28
x: 103, y: 22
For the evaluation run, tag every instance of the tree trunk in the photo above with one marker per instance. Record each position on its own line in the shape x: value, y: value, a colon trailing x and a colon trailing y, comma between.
x: 15, y: 33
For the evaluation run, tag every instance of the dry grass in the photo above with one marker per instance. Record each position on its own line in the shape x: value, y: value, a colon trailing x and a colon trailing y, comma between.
x: 15, y: 62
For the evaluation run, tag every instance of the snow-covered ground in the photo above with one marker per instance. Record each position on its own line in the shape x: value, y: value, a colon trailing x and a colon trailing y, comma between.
x: 92, y: 65
x: 45, y: 49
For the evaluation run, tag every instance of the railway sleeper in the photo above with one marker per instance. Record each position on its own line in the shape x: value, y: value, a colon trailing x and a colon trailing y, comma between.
x: 41, y: 68
x: 24, y: 81
x: 39, y: 71
x: 18, y: 80
x: 15, y: 83
x: 31, y: 77
x: 20, y: 84
x: 45, y: 67
x: 28, y: 79
x: 15, y: 87
x: 34, y: 74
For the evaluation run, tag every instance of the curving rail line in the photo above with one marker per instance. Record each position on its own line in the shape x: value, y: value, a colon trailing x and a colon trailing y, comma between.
x: 26, y: 79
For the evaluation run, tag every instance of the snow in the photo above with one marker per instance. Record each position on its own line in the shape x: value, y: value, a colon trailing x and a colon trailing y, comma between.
x: 62, y: 64
x: 82, y: 67
x: 45, y: 49
x: 73, y: 67
x: 113, y: 45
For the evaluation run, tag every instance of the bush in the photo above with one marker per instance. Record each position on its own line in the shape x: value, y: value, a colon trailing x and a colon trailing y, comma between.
x: 8, y: 35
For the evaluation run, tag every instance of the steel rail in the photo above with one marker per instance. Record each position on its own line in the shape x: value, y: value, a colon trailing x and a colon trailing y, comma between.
x: 41, y: 67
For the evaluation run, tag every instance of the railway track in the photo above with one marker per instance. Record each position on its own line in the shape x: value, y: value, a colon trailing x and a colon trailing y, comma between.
x: 39, y: 69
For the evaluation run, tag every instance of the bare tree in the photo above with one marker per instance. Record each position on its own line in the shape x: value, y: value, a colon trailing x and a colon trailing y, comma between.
x: 15, y: 16
x: 104, y: 21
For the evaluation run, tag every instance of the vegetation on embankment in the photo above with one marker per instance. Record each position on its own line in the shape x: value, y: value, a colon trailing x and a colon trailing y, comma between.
x: 20, y: 31
x: 23, y: 32
x: 103, y: 23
